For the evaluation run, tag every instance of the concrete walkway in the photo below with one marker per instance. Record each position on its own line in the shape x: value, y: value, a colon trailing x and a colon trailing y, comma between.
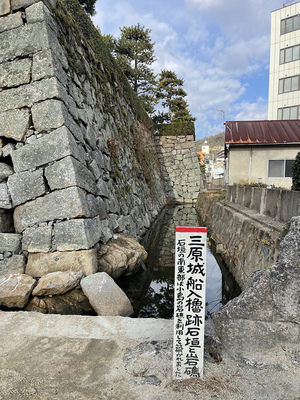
x: 47, y: 357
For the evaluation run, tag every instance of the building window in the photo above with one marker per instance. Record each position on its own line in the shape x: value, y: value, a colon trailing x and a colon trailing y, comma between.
x: 290, y: 84
x: 290, y: 54
x: 288, y: 113
x: 280, y: 168
x: 290, y: 24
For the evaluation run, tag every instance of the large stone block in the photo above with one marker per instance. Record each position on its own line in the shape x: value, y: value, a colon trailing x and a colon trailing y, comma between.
x: 105, y: 296
x: 23, y: 41
x: 17, y: 4
x: 5, y: 200
x: 15, y: 73
x: 49, y: 114
x: 13, y: 265
x: 61, y: 204
x: 42, y: 264
x: 4, y: 7
x: 27, y: 95
x: 38, y: 12
x: 25, y: 186
x: 70, y: 172
x: 10, y: 22
x: 54, y: 146
x: 57, y: 283
x: 15, y: 290
x: 37, y: 240
x: 77, y: 234
x: 47, y: 64
x: 10, y: 242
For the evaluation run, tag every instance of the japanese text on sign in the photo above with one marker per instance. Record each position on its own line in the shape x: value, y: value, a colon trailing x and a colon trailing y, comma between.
x: 189, y: 302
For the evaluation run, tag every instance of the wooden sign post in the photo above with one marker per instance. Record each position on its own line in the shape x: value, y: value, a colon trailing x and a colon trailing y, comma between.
x: 189, y: 302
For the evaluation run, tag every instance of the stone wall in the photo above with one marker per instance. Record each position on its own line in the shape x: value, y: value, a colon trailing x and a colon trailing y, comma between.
x: 263, y: 322
x: 247, y: 243
x: 77, y: 158
x: 180, y: 167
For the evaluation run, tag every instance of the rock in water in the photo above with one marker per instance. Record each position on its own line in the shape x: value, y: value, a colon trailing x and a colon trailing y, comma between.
x: 15, y: 290
x: 71, y: 303
x: 121, y: 256
x: 105, y: 295
x: 57, y: 283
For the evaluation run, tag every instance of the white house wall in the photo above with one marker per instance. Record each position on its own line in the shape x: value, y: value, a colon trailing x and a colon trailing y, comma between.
x: 248, y: 165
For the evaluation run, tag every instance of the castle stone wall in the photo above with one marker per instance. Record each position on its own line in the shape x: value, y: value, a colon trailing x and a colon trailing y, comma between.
x: 77, y: 158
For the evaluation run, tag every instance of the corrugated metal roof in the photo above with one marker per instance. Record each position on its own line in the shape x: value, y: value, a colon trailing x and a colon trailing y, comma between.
x: 262, y: 132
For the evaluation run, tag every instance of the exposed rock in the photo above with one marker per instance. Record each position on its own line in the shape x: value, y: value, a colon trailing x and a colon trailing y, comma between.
x: 267, y: 314
x: 26, y: 186
x: 70, y: 172
x: 54, y: 146
x: 70, y: 303
x: 10, y: 242
x: 5, y: 170
x: 122, y: 255
x: 5, y: 200
x: 13, y: 265
x: 14, y: 74
x: 15, y: 290
x: 57, y: 283
x: 14, y: 123
x: 4, y: 7
x: 8, y: 149
x: 40, y: 264
x: 77, y: 234
x: 72, y: 203
x: 37, y: 240
x: 105, y: 295
x: 219, y: 248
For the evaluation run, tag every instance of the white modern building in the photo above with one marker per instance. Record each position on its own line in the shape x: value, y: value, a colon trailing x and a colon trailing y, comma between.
x: 284, y: 80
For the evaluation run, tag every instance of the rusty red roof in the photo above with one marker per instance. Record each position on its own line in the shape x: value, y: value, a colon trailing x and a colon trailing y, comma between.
x: 262, y: 132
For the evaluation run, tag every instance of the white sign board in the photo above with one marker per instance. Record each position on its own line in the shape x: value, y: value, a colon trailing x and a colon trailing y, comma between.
x: 189, y: 302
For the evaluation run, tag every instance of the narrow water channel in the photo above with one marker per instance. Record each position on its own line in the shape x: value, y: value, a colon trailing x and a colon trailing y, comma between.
x: 152, y: 291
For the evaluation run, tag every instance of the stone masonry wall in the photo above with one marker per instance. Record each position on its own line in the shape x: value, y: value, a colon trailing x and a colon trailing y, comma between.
x: 180, y: 167
x: 248, y: 245
x: 77, y: 160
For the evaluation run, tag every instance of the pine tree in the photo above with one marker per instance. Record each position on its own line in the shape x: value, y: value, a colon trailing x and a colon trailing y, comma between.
x: 134, y: 52
x: 88, y: 6
x: 170, y: 91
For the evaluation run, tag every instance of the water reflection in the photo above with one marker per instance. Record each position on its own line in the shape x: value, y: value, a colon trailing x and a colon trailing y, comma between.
x: 152, y: 292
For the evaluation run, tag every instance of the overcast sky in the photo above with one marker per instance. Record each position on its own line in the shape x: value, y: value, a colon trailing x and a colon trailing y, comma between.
x: 219, y: 47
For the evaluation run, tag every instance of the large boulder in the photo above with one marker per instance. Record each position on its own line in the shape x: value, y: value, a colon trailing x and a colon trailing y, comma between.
x: 15, y: 290
x: 266, y: 316
x: 57, y: 283
x: 70, y: 303
x: 105, y: 296
x: 40, y: 264
x: 122, y: 255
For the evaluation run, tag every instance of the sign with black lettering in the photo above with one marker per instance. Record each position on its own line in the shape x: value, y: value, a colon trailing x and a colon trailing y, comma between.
x: 189, y: 302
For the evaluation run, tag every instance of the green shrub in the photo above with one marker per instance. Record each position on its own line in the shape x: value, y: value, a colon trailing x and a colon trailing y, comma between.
x: 296, y: 173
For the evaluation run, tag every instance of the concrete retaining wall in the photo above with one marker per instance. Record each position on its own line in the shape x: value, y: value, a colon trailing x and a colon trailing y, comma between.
x: 279, y: 204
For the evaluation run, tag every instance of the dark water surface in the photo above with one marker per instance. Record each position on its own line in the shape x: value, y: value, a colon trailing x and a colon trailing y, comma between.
x: 152, y: 291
